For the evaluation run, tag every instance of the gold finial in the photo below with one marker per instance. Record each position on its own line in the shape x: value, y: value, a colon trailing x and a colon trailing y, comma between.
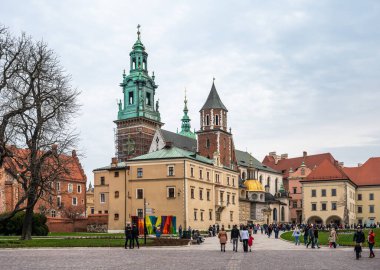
x: 138, y: 31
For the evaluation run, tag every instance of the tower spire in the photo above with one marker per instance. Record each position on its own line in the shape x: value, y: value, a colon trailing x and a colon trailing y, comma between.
x: 185, y: 126
x: 138, y: 31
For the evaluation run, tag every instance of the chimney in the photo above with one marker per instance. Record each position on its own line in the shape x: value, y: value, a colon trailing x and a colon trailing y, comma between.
x: 304, y: 153
x: 275, y: 156
x: 284, y: 156
x: 266, y: 188
x: 341, y: 164
x: 360, y: 164
x: 114, y: 162
x: 73, y: 153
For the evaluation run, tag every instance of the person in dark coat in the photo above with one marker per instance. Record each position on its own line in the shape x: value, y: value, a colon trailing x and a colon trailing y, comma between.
x: 128, y: 236
x: 359, y: 239
x: 135, y: 236
x: 311, y: 237
x: 316, y: 235
x: 235, y: 235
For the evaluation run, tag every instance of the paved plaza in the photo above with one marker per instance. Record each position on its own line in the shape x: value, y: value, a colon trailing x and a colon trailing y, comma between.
x: 266, y: 254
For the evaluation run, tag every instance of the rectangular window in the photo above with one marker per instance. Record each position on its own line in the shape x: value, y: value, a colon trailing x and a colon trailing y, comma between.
x: 139, y: 193
x: 313, y: 207
x: 208, y: 194
x: 233, y: 182
x: 140, y: 213
x: 200, y: 174
x: 102, y: 197
x: 360, y: 209
x: 201, y: 194
x: 313, y: 193
x: 333, y: 192
x: 192, y: 193
x: 372, y: 209
x: 171, y: 192
x: 53, y: 213
x: 216, y: 178
x: 105, y: 211
x: 228, y: 199
x: 371, y: 196
x: 59, y: 201
x: 228, y: 181
x: 92, y: 210
x: 117, y: 194
x: 231, y: 216
x: 148, y: 99
x: 130, y: 98
x: 210, y: 214
x: 294, y: 204
x: 70, y: 188
x: 79, y: 188
x: 333, y: 206
x: 191, y: 172
x: 195, y: 214
x: 217, y: 216
x: 324, y: 207
x: 116, y: 174
x: 359, y: 197
x: 116, y: 216
x: 139, y: 172
x: 233, y: 198
x: 102, y: 181
x: 58, y: 186
x: 170, y: 171
x: 323, y: 192
x: 201, y: 215
x: 208, y: 176
x: 221, y: 197
x: 294, y: 190
x: 75, y: 201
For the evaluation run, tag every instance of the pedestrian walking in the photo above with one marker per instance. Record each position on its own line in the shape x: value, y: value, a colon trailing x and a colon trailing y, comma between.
x: 262, y: 229
x: 128, y: 236
x: 250, y: 242
x: 244, y: 236
x: 235, y: 235
x: 316, y: 235
x: 371, y: 243
x: 333, y: 238
x: 222, y: 235
x: 296, y: 234
x: 359, y: 239
x: 306, y: 234
x: 135, y: 236
x: 311, y: 237
x: 180, y: 231
x: 276, y: 232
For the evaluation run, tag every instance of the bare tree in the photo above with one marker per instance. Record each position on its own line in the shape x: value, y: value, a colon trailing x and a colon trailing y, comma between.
x: 74, y: 212
x: 40, y: 125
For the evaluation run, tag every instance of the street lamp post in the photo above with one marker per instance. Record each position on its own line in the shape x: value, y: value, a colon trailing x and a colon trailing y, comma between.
x: 144, y: 221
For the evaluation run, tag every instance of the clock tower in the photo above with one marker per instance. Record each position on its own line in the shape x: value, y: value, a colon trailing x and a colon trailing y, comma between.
x: 138, y: 117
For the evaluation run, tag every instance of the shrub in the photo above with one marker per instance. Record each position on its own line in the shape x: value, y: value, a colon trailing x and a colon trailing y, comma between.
x: 13, y: 226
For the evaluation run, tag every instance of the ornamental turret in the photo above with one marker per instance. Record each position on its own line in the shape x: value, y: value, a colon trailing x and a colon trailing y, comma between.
x: 185, y: 126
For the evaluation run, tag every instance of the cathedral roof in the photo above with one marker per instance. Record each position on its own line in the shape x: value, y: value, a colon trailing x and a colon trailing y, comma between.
x: 367, y: 174
x: 253, y: 185
x: 244, y: 159
x: 213, y: 100
x: 178, y: 140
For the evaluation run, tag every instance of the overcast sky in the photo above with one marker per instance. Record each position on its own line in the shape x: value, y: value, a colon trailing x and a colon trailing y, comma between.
x: 295, y: 75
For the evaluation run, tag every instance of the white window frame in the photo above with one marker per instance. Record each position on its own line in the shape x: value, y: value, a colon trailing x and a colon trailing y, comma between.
x: 51, y: 213
x: 137, y: 193
x: 171, y: 166
x: 59, y: 198
x: 70, y: 188
x: 58, y: 186
x: 167, y: 192
x: 104, y: 197
x: 76, y: 201
x: 79, y: 188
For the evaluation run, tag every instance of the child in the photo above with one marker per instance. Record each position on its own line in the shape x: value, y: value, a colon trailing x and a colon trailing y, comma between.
x: 250, y: 242
x: 358, y: 250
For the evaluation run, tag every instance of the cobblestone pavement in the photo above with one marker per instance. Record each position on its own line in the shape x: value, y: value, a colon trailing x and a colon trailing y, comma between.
x: 266, y: 254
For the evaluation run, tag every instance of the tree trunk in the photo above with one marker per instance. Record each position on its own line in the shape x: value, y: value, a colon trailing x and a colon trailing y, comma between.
x: 27, y: 225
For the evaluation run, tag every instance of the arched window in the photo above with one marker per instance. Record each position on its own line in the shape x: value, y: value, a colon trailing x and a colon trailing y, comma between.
x: 207, y: 143
x: 207, y: 120
x: 303, y: 171
x: 217, y: 120
x: 282, y: 213
x: 276, y: 185
x: 275, y: 214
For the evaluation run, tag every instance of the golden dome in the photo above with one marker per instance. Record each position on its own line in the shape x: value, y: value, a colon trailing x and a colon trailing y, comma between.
x: 253, y: 185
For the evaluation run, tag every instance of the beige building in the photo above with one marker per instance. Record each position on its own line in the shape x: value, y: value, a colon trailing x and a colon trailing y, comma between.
x: 198, y: 191
x: 90, y: 208
x: 333, y: 194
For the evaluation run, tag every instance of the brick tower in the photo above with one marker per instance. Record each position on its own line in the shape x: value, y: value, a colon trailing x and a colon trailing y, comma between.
x: 138, y: 117
x: 214, y: 140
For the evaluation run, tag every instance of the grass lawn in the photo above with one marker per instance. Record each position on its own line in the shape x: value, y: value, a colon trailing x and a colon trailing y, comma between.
x: 345, y: 238
x: 46, y: 242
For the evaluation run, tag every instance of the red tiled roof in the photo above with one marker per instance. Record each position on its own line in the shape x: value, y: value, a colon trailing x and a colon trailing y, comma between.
x: 327, y: 170
x: 72, y: 165
x: 283, y: 165
x: 367, y: 174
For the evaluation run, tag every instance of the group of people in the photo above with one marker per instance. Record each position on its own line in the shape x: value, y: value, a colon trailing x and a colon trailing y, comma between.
x: 131, y: 236
x: 359, y: 239
x: 244, y: 235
